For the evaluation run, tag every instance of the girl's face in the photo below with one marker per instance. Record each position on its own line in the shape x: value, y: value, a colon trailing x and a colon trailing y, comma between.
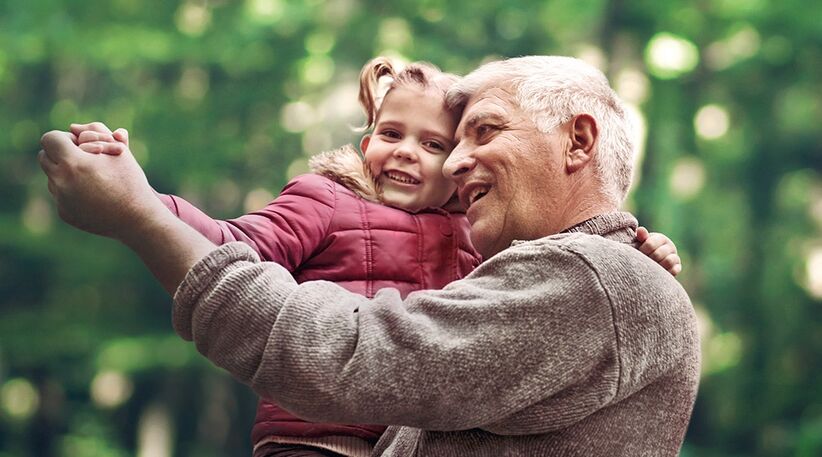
x: 412, y: 138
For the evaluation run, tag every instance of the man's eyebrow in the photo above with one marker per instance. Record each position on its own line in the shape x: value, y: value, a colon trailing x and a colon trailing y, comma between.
x: 478, y: 118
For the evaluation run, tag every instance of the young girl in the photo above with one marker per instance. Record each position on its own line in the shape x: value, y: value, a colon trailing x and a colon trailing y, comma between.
x: 386, y: 221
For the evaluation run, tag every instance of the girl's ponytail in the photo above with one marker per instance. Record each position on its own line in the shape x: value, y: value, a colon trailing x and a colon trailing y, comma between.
x: 371, y: 92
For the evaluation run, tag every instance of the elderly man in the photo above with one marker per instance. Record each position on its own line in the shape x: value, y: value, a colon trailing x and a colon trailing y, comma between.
x: 566, y: 341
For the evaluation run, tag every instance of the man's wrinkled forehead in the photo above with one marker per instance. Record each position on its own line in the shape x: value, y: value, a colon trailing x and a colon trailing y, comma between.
x: 490, y: 102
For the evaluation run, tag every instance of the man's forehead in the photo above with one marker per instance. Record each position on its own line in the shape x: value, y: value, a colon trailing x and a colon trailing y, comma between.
x: 492, y: 101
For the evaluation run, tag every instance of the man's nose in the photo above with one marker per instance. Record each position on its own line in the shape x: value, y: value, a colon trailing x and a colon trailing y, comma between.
x: 459, y: 162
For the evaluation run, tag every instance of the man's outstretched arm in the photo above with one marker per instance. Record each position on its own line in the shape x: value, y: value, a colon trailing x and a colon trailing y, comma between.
x: 110, y: 196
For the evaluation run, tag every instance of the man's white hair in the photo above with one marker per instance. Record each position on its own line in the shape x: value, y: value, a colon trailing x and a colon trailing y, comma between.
x: 554, y: 89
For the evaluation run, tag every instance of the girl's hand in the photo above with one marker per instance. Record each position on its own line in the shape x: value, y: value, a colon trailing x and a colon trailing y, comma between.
x: 660, y: 249
x: 96, y: 138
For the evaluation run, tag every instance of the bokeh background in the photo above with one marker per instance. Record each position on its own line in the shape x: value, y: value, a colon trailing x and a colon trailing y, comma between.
x: 226, y: 99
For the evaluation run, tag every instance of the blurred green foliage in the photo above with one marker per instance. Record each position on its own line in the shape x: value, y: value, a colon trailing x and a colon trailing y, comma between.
x: 225, y: 100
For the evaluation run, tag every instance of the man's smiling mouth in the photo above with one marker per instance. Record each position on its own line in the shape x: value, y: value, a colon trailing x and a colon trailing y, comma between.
x: 476, y: 193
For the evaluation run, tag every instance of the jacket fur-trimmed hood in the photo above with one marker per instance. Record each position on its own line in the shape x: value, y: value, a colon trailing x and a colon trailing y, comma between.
x: 346, y: 167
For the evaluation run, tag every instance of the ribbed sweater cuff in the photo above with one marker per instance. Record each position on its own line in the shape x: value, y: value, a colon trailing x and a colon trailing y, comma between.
x: 202, y: 276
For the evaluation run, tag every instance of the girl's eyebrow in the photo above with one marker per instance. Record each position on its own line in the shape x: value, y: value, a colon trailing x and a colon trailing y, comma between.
x: 391, y: 123
x: 438, y: 135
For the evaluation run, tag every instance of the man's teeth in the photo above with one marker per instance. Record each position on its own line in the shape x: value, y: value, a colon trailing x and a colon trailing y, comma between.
x: 476, y: 194
x: 401, y: 178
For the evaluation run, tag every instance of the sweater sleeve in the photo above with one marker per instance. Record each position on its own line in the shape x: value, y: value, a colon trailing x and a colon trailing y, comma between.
x: 525, y: 344
x: 287, y: 231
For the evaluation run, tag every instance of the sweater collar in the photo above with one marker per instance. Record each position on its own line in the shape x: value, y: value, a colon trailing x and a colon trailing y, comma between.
x: 616, y: 225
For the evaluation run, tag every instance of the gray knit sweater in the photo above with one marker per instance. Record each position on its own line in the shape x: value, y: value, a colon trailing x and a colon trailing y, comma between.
x: 569, y: 345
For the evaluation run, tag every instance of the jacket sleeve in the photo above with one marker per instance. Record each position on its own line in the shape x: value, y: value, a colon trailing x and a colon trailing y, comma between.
x: 525, y: 344
x: 287, y: 231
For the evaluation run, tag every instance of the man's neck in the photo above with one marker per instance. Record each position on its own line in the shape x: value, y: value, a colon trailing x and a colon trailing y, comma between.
x: 581, y: 209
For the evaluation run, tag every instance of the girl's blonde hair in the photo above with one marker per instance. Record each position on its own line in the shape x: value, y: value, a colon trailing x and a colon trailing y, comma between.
x: 382, y: 71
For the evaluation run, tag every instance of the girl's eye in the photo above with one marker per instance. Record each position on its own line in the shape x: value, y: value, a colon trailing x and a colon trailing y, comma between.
x: 435, y: 145
x: 390, y: 133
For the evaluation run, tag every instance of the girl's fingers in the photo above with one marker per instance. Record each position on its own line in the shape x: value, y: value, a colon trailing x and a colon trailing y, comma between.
x: 103, y: 147
x: 90, y: 136
x: 98, y: 127
x: 641, y: 234
x: 121, y: 134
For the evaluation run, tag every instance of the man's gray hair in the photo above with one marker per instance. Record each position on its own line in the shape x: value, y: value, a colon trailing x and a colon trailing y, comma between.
x: 554, y: 89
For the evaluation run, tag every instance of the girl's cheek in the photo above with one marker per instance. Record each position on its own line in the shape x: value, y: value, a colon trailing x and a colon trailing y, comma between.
x: 373, y: 167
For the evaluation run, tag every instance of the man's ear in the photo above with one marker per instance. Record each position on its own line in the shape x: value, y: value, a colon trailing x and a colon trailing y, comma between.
x: 583, y: 131
x: 366, y: 139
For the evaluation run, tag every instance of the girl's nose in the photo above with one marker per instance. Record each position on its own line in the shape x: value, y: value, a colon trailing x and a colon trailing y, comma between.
x: 405, y: 151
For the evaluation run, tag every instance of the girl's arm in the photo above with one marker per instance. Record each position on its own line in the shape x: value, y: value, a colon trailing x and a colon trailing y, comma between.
x: 287, y: 231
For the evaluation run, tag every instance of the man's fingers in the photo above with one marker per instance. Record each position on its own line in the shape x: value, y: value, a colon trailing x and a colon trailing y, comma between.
x: 52, y: 188
x: 58, y: 145
x: 90, y: 135
x: 98, y: 127
x: 48, y: 166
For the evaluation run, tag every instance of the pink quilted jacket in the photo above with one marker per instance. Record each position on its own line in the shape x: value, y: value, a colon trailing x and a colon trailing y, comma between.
x: 320, y: 229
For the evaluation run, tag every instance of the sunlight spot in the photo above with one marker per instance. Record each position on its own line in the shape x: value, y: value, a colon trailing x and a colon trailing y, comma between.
x: 813, y: 271
x: 193, y: 18
x: 19, y: 398
x: 193, y: 84
x: 320, y: 42
x: 712, y: 122
x: 669, y: 56
x: 110, y: 389
x: 317, y: 69
x: 297, y: 116
x: 265, y: 11
x: 592, y: 55
x: 394, y: 33
x: 632, y: 85
x: 639, y: 135
x: 743, y: 44
x: 256, y: 199
x: 687, y: 178
x: 155, y: 432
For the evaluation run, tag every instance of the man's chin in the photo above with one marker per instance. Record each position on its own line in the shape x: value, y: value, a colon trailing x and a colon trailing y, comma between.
x: 486, y: 245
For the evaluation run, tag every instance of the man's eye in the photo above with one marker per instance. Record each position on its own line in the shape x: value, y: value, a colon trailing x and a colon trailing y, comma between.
x: 483, y: 130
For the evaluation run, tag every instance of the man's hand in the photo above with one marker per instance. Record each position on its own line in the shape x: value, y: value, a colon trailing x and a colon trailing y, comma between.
x: 102, y: 194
